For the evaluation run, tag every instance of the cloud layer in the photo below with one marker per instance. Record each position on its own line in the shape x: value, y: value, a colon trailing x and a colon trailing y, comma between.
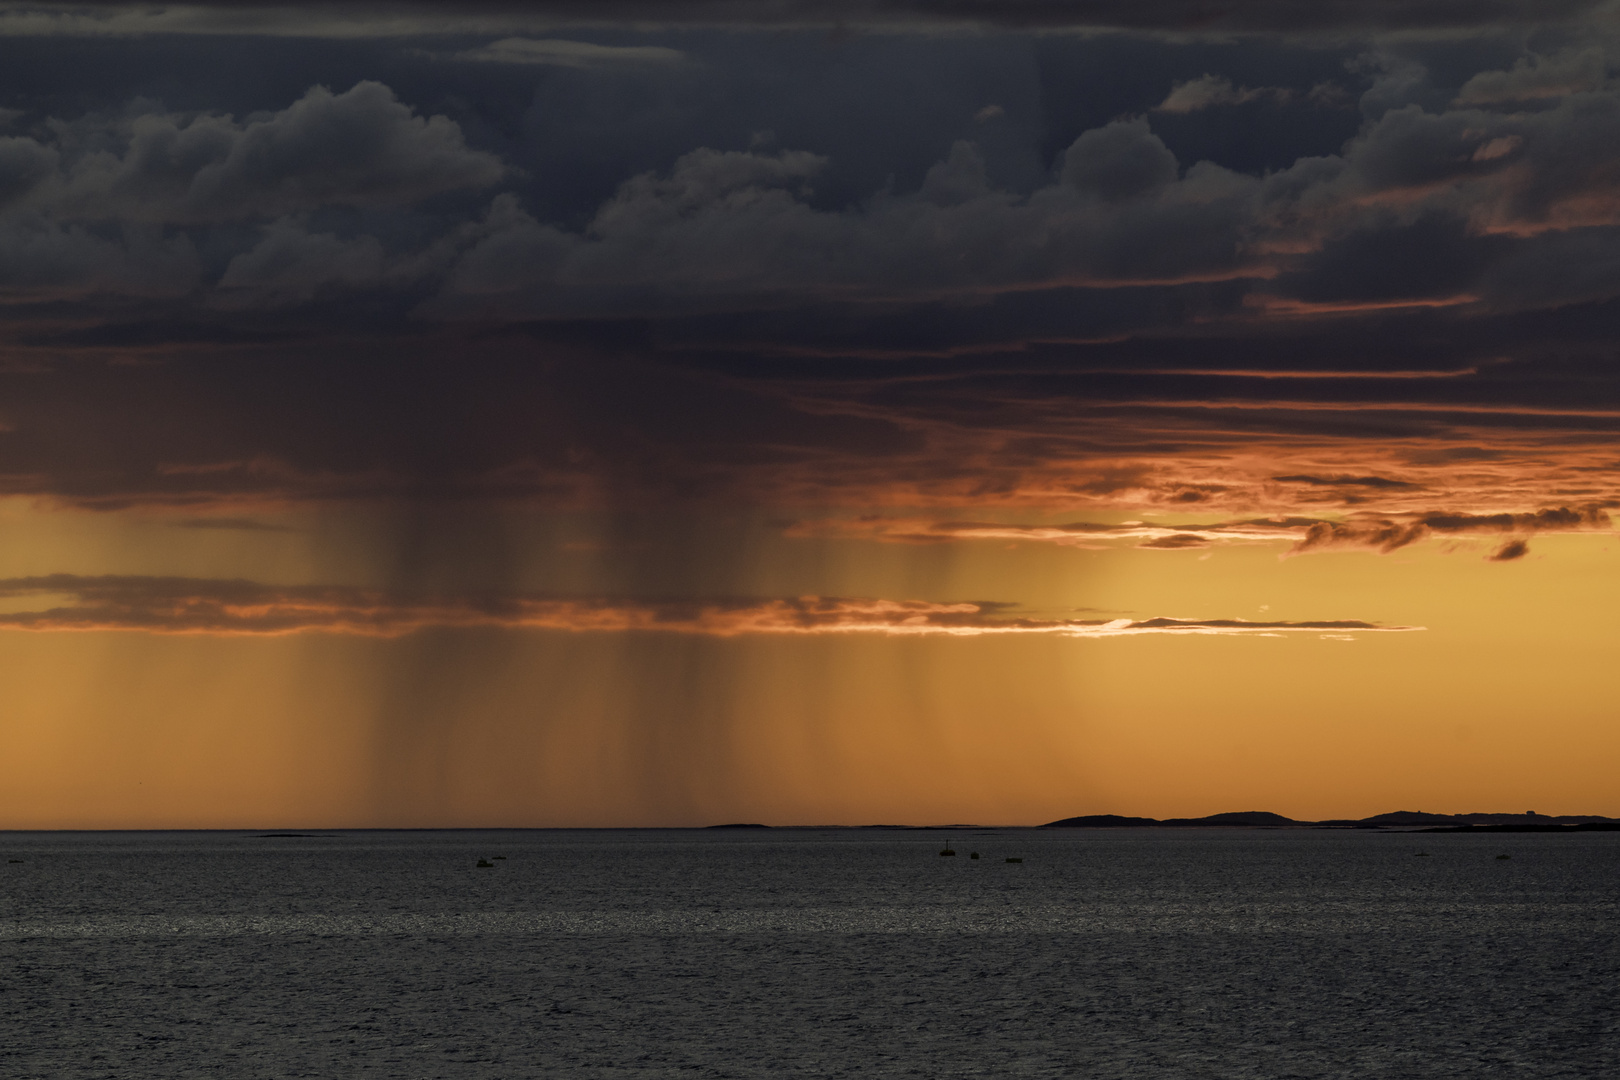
x: 1303, y: 534
x: 172, y: 605
x: 314, y: 19
x: 1366, y: 287
x: 1477, y: 203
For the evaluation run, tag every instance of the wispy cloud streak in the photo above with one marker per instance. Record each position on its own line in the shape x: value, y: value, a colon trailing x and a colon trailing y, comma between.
x: 1389, y: 535
x: 201, y: 606
x: 1305, y: 534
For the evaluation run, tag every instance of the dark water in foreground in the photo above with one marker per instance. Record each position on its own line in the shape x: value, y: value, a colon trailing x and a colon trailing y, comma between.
x: 1106, y: 953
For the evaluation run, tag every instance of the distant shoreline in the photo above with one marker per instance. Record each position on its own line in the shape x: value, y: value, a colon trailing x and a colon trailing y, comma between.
x: 1398, y: 821
x: 1403, y: 820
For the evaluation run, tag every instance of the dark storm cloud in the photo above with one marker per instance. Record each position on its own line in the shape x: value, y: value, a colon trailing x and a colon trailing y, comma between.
x: 1238, y: 274
x: 593, y: 413
x: 729, y: 230
x: 361, y: 147
x: 431, y: 417
x: 1419, y: 207
x: 406, y: 18
x: 145, y: 171
x: 1467, y: 206
x: 1172, y: 14
x: 1435, y: 257
x: 1538, y: 78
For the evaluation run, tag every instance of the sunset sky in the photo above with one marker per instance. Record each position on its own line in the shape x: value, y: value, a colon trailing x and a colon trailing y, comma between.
x: 614, y: 413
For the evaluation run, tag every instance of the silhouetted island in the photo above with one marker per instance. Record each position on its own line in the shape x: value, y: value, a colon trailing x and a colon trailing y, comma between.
x: 1407, y: 820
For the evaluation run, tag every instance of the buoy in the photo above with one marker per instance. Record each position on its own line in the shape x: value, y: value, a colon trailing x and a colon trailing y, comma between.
x: 973, y: 854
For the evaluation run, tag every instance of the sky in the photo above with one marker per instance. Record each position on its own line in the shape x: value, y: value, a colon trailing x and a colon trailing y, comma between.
x: 806, y: 412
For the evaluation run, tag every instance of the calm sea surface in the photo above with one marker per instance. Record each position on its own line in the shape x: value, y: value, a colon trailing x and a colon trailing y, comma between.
x: 1105, y: 953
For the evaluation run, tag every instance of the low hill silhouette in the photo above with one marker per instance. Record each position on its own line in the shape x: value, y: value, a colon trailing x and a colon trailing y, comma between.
x: 1530, y: 821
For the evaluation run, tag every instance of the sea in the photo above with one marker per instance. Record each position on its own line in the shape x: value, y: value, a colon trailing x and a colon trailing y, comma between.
x: 1098, y: 953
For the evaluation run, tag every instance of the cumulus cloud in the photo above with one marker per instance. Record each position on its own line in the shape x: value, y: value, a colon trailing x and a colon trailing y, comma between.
x: 1119, y: 161
x: 362, y: 147
x: 172, y: 605
x: 24, y: 165
x: 101, y: 205
x: 1536, y: 78
x: 1465, y: 205
x: 41, y: 259
x: 1437, y: 257
x: 290, y: 265
x: 738, y: 229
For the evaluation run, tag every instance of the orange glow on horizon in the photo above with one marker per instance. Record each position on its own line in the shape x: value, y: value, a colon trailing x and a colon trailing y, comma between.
x: 493, y: 726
